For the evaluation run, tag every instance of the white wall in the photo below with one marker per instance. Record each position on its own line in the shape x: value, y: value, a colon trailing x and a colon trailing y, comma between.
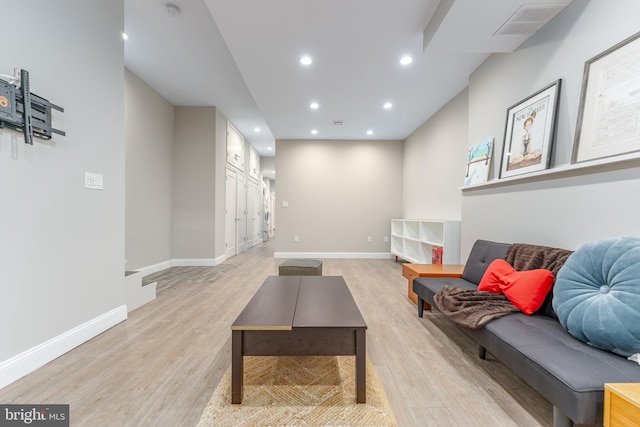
x: 149, y: 134
x: 339, y: 193
x: 434, y: 164
x: 573, y: 208
x: 61, y: 245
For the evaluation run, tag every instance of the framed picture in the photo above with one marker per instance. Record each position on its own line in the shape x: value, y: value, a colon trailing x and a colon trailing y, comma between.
x: 609, y: 114
x: 479, y: 162
x: 529, y: 133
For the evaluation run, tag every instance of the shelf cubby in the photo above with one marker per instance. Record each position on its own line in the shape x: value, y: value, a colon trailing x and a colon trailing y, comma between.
x: 413, y: 240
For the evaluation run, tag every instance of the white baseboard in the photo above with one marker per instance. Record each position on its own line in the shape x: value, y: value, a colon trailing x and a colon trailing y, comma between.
x: 155, y: 268
x: 197, y: 262
x: 220, y: 259
x: 194, y: 262
x: 351, y: 255
x: 28, y: 361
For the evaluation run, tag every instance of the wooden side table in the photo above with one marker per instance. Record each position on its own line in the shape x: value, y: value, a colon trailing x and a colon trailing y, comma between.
x: 412, y: 271
x: 621, y: 404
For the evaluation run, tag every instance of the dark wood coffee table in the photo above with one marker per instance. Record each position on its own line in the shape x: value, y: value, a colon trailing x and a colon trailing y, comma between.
x: 299, y: 316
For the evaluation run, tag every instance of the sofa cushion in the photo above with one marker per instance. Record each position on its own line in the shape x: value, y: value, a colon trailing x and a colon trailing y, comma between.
x: 427, y: 287
x: 526, y: 290
x: 564, y: 370
x: 597, y: 295
x: 482, y: 254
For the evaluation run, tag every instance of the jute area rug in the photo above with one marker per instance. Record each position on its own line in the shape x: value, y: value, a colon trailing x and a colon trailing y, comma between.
x: 299, y: 391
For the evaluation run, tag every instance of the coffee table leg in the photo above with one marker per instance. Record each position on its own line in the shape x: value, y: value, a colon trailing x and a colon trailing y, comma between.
x: 236, y: 366
x: 361, y: 366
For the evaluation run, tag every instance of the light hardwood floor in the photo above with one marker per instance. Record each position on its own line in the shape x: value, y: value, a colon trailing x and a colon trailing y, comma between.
x: 160, y: 367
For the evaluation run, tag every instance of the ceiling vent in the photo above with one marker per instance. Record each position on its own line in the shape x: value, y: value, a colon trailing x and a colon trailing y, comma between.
x: 338, y: 122
x: 528, y: 19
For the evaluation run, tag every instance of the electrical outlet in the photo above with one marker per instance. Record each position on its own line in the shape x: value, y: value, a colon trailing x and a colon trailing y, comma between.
x: 386, y: 239
x: 296, y: 238
x: 369, y: 239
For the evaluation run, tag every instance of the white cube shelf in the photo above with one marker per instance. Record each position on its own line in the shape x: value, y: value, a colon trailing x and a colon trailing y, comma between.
x: 413, y: 240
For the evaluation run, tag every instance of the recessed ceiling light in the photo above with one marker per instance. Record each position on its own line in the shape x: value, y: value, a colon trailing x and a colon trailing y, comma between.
x: 314, y: 105
x: 314, y: 132
x: 125, y: 36
x: 256, y: 129
x: 369, y: 132
x: 306, y: 60
x: 269, y: 148
x: 406, y: 60
x: 387, y: 105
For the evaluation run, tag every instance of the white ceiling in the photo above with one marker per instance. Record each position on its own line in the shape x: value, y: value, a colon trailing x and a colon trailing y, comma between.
x: 242, y: 56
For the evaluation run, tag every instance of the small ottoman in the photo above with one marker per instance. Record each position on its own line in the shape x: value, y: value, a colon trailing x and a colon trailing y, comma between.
x: 301, y: 267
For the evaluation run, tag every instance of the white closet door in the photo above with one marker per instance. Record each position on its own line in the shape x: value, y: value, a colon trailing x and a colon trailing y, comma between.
x: 230, y: 214
x: 272, y: 223
x: 241, y: 214
x: 254, y: 224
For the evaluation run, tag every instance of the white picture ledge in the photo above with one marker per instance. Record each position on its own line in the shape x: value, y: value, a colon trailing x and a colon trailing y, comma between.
x: 620, y: 162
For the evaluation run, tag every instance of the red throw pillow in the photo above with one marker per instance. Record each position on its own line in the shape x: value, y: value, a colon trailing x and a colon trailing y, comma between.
x: 526, y: 290
x: 493, y: 276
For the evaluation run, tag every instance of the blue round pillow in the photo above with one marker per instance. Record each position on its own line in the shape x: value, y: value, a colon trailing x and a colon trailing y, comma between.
x: 597, y: 295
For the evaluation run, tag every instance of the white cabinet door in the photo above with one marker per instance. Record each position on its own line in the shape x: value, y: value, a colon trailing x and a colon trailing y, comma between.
x: 230, y: 214
x: 241, y: 214
x: 235, y: 147
x: 254, y: 163
x: 254, y: 221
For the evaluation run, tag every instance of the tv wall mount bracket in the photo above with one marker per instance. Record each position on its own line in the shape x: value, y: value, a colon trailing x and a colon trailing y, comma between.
x: 25, y: 111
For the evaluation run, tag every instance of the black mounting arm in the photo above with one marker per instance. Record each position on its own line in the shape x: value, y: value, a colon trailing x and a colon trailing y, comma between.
x: 22, y: 110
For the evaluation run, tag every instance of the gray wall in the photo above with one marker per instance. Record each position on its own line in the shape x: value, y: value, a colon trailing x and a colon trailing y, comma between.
x: 61, y: 245
x: 564, y: 209
x: 175, y: 163
x: 434, y: 165
x: 267, y: 163
x: 149, y: 134
x: 220, y: 185
x: 569, y: 209
x: 194, y: 183
x: 339, y: 193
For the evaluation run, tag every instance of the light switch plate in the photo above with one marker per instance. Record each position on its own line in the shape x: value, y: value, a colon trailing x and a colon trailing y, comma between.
x: 93, y: 181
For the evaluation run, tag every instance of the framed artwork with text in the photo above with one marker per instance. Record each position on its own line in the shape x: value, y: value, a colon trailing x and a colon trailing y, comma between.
x: 530, y: 132
x: 608, y: 123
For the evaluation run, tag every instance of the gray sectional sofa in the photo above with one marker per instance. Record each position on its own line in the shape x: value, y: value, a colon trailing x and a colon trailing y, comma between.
x: 564, y: 370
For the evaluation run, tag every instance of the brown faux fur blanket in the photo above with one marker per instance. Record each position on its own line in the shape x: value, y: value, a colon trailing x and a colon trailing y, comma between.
x: 523, y: 257
x: 472, y: 308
